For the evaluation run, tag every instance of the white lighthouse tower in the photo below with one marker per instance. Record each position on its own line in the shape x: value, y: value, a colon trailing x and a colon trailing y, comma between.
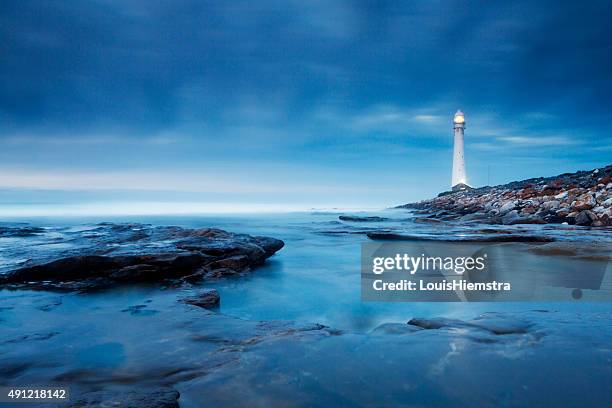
x: 459, y: 180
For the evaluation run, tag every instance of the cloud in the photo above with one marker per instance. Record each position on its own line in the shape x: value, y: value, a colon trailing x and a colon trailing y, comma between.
x: 200, y: 181
x: 510, y: 143
x: 527, y: 141
x: 76, y: 138
x: 392, y: 119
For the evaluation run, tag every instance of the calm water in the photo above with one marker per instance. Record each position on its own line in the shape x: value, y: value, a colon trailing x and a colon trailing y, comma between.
x: 315, y: 278
x: 139, y: 337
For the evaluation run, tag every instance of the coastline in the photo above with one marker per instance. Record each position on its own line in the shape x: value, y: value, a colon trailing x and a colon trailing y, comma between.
x: 583, y: 198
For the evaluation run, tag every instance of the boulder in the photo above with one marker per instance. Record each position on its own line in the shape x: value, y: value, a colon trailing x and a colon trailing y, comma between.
x: 529, y: 210
x: 551, y: 205
x: 584, y: 202
x: 507, y: 207
x: 586, y: 217
x: 510, y: 217
x: 206, y: 298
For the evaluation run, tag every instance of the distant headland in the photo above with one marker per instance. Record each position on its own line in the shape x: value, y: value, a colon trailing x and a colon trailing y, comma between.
x: 581, y: 198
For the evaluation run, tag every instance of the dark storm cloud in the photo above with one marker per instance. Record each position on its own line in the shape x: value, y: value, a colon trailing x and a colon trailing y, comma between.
x: 104, y: 84
x: 139, y: 63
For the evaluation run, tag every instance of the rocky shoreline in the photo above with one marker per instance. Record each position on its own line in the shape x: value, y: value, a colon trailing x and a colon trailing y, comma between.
x: 582, y: 198
x: 119, y: 254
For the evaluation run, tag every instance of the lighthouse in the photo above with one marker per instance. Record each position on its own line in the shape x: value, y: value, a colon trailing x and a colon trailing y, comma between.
x: 459, y: 180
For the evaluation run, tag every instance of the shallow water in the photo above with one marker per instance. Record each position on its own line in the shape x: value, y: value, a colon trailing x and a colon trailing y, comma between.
x: 136, y: 337
x: 316, y: 277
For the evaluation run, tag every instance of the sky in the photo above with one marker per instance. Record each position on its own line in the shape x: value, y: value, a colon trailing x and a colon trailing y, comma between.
x: 136, y: 106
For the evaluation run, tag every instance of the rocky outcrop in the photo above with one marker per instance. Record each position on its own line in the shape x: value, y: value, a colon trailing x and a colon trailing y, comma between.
x: 206, y: 299
x: 582, y: 198
x: 122, y: 254
x: 355, y: 218
x: 389, y: 236
x: 494, y: 323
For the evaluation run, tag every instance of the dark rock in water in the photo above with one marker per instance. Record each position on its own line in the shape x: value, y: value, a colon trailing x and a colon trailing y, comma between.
x: 494, y: 323
x: 161, y: 254
x: 395, y: 329
x: 585, y: 250
x: 134, y: 398
x: 586, y: 217
x: 510, y: 217
x: 354, y: 218
x: 554, y: 219
x: 140, y: 310
x: 388, y: 236
x: 478, y: 216
x: 501, y: 324
x: 50, y: 304
x: 206, y: 299
x: 434, y: 323
x: 421, y: 220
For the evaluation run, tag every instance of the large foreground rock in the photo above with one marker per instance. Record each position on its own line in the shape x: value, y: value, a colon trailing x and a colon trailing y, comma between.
x: 117, y: 254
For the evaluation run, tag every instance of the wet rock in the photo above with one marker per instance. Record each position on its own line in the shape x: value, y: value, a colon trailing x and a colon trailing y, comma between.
x: 554, y: 218
x: 494, y: 323
x: 421, y: 220
x: 133, y: 398
x: 474, y: 217
x: 501, y: 324
x: 434, y: 323
x: 207, y: 299
x: 586, y: 218
x: 507, y: 207
x: 388, y: 236
x: 50, y: 304
x: 591, y: 251
x: 395, y: 329
x: 510, y: 217
x: 140, y: 310
x: 354, y: 218
x: 184, y: 255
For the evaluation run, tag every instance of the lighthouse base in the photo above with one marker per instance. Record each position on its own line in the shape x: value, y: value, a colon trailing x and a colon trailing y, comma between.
x: 461, y: 187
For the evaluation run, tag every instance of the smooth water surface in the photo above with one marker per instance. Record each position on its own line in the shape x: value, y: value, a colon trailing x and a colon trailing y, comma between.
x: 316, y: 276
